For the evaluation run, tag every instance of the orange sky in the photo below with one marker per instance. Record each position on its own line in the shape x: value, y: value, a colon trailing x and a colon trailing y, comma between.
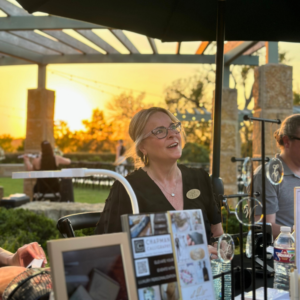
x: 75, y: 102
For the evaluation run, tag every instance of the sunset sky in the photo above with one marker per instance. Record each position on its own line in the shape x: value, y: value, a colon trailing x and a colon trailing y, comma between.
x: 75, y: 101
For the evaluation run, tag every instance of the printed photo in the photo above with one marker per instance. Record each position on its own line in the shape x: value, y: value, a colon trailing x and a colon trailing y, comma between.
x: 194, y: 238
x: 197, y: 253
x: 181, y: 222
x: 187, y: 274
x: 197, y: 220
x: 169, y: 291
x: 140, y: 225
x: 180, y: 242
x: 159, y: 223
x: 149, y: 293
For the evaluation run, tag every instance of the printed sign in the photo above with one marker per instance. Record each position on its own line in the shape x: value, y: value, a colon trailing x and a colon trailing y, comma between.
x: 191, y: 254
x: 153, y: 257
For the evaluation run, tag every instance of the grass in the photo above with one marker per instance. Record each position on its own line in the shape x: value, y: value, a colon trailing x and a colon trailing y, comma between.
x: 83, y: 195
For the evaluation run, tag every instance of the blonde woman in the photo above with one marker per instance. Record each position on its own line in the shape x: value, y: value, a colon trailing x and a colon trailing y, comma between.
x: 160, y: 184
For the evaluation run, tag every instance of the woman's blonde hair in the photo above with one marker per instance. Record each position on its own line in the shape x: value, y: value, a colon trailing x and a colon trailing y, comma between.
x: 136, y: 128
x: 289, y: 127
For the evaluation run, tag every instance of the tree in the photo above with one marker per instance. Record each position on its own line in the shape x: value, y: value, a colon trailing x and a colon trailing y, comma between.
x: 97, y: 135
x: 6, y: 142
x: 187, y: 93
x: 65, y: 139
x: 296, y: 98
x: 121, y: 109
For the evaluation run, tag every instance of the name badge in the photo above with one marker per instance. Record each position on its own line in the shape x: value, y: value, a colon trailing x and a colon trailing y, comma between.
x: 193, y: 194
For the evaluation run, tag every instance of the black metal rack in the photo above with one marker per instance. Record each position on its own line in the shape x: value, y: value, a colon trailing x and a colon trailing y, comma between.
x: 223, y: 198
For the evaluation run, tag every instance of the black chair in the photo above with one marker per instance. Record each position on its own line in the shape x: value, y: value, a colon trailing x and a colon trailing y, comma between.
x: 47, y: 189
x: 67, y: 224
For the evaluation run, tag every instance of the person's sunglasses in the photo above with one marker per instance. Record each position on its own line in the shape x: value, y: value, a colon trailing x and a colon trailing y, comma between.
x: 162, y: 132
x: 294, y: 138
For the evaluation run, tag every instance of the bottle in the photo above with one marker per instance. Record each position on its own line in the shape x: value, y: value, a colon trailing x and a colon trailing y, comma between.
x: 219, y: 267
x: 227, y: 281
x: 284, y: 258
x: 216, y: 270
x: 205, y: 272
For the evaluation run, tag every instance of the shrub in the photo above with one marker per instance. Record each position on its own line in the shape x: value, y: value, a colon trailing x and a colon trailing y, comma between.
x: 193, y: 152
x: 19, y: 227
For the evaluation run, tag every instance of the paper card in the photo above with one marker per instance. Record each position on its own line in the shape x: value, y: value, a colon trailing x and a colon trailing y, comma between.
x: 36, y: 263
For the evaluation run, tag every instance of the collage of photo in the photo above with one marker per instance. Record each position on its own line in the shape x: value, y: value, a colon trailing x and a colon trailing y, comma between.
x: 167, y: 291
x: 191, y: 252
x: 148, y: 224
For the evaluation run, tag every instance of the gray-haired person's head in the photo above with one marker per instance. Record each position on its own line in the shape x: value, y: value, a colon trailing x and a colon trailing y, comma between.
x: 290, y: 127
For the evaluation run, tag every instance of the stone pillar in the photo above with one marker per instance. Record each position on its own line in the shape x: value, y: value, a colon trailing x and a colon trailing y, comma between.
x: 40, y: 116
x: 230, y: 142
x: 273, y: 99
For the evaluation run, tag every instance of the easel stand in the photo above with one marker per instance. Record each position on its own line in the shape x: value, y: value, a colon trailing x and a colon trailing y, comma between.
x: 263, y: 121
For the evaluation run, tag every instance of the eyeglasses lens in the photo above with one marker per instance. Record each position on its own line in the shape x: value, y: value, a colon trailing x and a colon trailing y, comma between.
x: 162, y: 131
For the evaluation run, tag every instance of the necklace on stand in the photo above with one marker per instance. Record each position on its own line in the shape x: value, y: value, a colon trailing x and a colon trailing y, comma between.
x: 161, y: 186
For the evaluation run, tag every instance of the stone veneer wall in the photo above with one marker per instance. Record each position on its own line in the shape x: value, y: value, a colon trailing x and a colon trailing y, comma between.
x: 230, y: 140
x: 56, y: 210
x: 273, y: 99
x: 6, y: 170
x: 40, y: 116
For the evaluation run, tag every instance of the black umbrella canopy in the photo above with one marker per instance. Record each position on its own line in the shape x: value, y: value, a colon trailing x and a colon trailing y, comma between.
x: 184, y: 20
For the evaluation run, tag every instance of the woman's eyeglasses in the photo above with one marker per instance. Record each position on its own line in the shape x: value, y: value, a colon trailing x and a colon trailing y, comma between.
x: 162, y: 132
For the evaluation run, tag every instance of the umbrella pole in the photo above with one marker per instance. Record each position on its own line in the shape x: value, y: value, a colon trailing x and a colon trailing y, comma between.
x: 220, y: 36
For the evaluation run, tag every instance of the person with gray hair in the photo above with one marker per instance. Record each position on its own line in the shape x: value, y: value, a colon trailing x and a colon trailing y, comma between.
x: 280, y: 198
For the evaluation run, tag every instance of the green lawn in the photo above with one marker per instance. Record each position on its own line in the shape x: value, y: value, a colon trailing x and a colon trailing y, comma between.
x: 84, y: 195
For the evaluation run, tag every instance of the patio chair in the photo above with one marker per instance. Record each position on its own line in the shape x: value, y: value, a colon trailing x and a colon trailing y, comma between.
x: 47, y: 189
x: 67, y: 224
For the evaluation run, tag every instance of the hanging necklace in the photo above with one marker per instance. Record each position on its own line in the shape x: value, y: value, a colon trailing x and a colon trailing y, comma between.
x: 161, y: 186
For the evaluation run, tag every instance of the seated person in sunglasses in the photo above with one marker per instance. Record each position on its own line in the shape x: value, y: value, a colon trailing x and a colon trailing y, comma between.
x: 159, y: 183
x: 280, y: 198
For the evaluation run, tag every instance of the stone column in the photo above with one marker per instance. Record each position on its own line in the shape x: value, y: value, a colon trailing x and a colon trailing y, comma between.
x: 273, y: 99
x: 230, y: 142
x: 40, y: 116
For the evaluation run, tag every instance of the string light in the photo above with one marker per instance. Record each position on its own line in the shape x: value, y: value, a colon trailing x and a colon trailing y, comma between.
x: 59, y: 73
x: 87, y: 86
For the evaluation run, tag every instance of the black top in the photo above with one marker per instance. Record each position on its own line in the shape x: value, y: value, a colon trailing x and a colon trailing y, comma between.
x: 122, y: 150
x: 151, y: 199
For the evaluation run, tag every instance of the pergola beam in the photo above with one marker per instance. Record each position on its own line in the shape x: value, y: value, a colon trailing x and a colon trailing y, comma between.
x: 45, y: 42
x: 144, y: 58
x: 25, y: 44
x: 43, y: 23
x: 12, y: 61
x: 237, y: 52
x: 152, y: 45
x: 120, y: 35
x: 202, y: 48
x: 20, y: 53
x: 94, y: 38
x: 70, y: 41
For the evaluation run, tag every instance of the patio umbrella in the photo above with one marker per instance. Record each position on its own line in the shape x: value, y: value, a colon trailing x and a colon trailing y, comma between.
x: 184, y: 20
x: 188, y: 20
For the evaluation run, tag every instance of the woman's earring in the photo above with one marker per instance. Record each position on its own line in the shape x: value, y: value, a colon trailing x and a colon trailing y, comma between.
x: 145, y: 159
